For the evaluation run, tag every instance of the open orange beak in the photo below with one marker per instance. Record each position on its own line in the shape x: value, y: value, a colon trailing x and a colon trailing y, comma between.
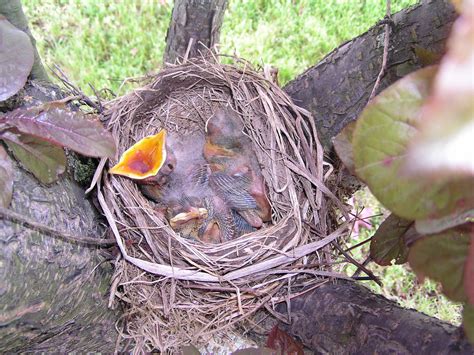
x: 143, y: 159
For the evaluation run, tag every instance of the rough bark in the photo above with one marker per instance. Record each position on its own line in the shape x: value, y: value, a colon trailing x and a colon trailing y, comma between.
x: 195, y: 26
x: 347, y: 318
x: 13, y: 11
x: 337, y: 89
x: 52, y: 293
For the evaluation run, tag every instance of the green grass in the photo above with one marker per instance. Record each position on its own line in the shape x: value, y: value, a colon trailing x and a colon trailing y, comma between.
x: 399, y: 282
x: 100, y: 42
x: 104, y: 42
x: 294, y: 35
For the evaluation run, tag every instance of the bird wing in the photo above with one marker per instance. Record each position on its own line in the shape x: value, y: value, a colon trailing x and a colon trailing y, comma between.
x: 233, y: 190
x: 241, y: 225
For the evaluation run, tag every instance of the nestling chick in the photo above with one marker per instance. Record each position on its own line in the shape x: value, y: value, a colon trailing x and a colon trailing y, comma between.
x: 236, y: 170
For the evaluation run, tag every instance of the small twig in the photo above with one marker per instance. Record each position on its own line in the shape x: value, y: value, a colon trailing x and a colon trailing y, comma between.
x: 358, y: 244
x: 101, y: 107
x: 359, y: 270
x: 68, y: 99
x: 356, y: 263
x: 188, y: 50
x: 362, y: 278
x: 74, y: 90
x: 388, y: 22
x: 17, y: 313
x: 16, y: 217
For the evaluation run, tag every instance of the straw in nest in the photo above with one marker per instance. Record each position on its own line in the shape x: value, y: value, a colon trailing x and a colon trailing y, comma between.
x: 179, y: 290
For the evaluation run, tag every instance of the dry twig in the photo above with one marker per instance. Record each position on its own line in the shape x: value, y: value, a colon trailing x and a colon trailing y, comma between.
x: 28, y: 222
x: 388, y: 23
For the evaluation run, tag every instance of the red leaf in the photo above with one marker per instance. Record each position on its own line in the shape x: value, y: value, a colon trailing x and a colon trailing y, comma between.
x: 383, y: 131
x: 283, y: 343
x: 55, y: 123
x: 442, y: 257
x: 17, y: 57
x: 6, y: 178
x: 388, y: 243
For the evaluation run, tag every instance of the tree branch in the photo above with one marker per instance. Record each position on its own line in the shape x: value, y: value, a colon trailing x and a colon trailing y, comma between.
x: 337, y: 89
x: 347, y: 318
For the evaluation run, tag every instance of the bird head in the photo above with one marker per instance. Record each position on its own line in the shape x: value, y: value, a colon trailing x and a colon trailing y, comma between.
x: 224, y: 129
x: 148, y: 162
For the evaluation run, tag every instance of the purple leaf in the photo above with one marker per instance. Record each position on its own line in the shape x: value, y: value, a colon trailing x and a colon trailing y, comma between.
x: 55, y: 123
x: 6, y: 178
x: 44, y: 160
x: 16, y: 59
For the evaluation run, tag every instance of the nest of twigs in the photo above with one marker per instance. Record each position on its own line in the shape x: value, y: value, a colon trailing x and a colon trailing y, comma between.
x: 179, y: 290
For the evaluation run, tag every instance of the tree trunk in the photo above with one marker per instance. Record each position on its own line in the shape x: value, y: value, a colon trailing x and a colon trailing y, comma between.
x: 337, y: 89
x: 13, y: 11
x: 195, y: 26
x: 53, y: 293
x: 346, y: 318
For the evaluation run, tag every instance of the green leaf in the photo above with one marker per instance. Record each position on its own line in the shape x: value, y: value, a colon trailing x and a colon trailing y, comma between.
x: 468, y: 322
x: 16, y: 59
x: 44, y: 160
x: 426, y: 56
x: 442, y: 257
x: 380, y: 141
x: 445, y: 145
x: 55, y: 123
x: 388, y: 243
x: 6, y: 178
x: 343, y: 146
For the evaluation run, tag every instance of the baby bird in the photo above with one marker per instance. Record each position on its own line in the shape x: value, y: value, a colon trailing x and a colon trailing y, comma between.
x: 179, y: 184
x: 152, y: 164
x: 236, y: 174
x: 209, y: 188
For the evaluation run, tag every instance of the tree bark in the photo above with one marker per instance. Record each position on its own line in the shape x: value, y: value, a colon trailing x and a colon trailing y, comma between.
x: 53, y: 293
x: 347, y: 318
x: 337, y: 89
x: 13, y: 11
x: 195, y: 26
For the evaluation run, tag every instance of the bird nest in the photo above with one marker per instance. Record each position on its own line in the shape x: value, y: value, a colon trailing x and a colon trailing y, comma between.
x: 179, y: 290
